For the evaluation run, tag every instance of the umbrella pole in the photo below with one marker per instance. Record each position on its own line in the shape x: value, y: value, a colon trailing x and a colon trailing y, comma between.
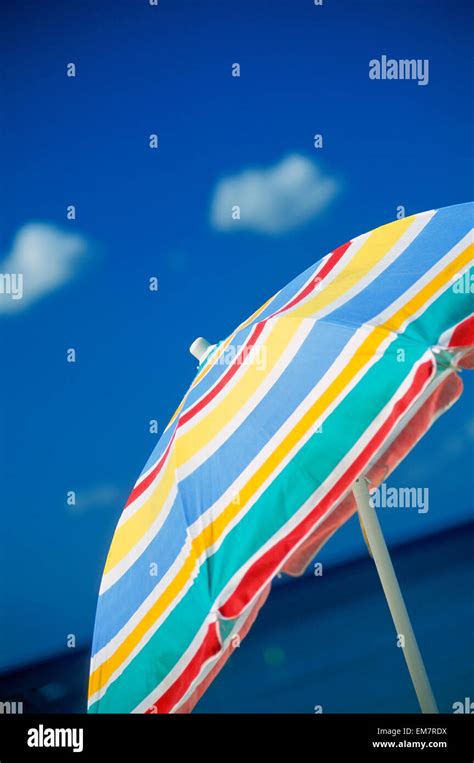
x: 393, y: 594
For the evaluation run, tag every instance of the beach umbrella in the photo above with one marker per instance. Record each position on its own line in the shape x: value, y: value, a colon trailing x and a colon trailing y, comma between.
x: 289, y: 421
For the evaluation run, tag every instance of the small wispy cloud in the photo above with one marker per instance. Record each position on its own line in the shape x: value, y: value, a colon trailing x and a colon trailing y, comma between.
x: 275, y: 199
x: 42, y: 259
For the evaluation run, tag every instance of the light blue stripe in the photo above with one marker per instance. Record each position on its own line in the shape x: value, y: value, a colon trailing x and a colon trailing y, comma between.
x: 324, y: 343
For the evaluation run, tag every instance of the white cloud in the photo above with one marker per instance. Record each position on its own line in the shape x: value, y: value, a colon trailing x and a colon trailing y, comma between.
x: 274, y: 199
x: 42, y: 259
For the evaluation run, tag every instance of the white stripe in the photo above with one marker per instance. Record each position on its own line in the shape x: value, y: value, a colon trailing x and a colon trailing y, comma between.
x: 197, y: 526
x: 323, y: 489
x: 407, y: 417
x: 296, y: 518
x: 388, y: 259
x: 136, y: 551
x: 108, y: 650
x: 222, y: 350
x: 210, y: 514
x: 394, y: 252
x: 207, y: 517
x: 283, y: 362
x: 352, y: 249
x: 209, y: 449
x: 210, y: 664
x: 115, y: 573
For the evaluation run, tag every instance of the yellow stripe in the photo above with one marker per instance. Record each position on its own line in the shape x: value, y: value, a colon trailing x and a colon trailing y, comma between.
x: 228, y: 341
x: 218, y: 353
x: 213, y: 532
x: 188, y: 444
x: 377, y: 245
x: 191, y: 440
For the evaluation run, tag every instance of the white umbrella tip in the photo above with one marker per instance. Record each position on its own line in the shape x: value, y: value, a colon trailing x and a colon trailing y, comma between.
x: 199, y: 348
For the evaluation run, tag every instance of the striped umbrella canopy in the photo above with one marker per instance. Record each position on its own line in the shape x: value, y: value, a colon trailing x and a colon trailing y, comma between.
x: 336, y: 376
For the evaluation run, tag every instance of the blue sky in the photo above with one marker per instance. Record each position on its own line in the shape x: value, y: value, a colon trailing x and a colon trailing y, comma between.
x: 144, y: 213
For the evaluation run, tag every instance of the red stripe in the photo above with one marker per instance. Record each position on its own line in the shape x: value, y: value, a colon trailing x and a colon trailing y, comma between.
x: 246, y: 347
x: 330, y: 263
x: 232, y: 370
x: 463, y: 334
x: 268, y: 564
x: 146, y: 482
x: 204, y: 684
x: 332, y: 260
x: 210, y: 646
x: 264, y: 569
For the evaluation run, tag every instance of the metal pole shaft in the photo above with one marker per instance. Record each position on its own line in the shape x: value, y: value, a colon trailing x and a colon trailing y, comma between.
x: 394, y: 597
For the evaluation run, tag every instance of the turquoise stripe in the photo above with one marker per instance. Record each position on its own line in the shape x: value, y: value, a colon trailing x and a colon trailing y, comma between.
x: 314, y: 462
x: 204, y: 486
